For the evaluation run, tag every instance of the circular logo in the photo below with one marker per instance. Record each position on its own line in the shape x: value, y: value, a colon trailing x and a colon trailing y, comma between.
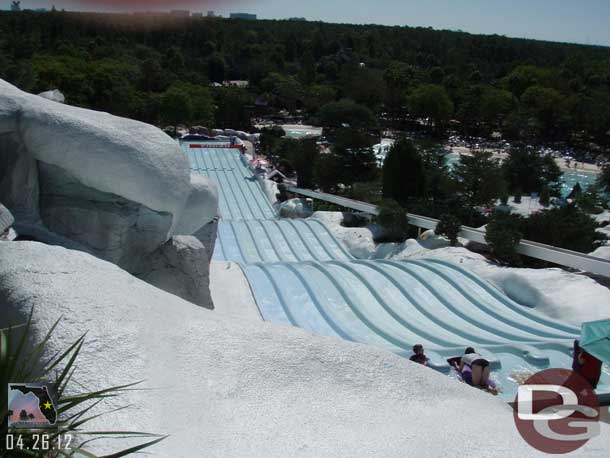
x: 556, y: 411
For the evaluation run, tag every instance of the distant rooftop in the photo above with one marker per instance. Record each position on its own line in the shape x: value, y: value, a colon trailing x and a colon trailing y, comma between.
x: 180, y: 13
x: 246, y: 16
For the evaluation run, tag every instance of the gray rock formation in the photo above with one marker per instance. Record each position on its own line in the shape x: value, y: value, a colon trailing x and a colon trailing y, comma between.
x: 112, y: 227
x: 180, y: 267
x: 117, y: 188
x: 6, y: 222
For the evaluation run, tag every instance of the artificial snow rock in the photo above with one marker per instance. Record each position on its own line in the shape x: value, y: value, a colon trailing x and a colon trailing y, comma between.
x: 296, y: 208
x: 218, y: 386
x: 6, y: 219
x: 117, y: 186
x: 55, y: 95
x: 180, y: 267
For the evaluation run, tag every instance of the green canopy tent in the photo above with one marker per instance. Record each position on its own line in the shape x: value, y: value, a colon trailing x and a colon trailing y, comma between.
x: 595, y: 339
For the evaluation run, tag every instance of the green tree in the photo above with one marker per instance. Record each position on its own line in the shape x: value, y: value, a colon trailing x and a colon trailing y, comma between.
x: 364, y: 86
x: 566, y: 227
x: 503, y: 233
x: 187, y: 103
x: 350, y: 160
x: 270, y: 139
x: 216, y: 68
x: 545, y: 196
x: 589, y: 201
x: 404, y: 176
x: 284, y: 91
x: 357, y: 162
x: 603, y: 179
x: 528, y: 170
x: 547, y: 108
x: 449, y: 226
x: 480, y: 177
x: 431, y: 101
x: 346, y: 112
x: 517, y: 196
x: 153, y: 76
x: 319, y: 95
x: 524, y: 76
x: 301, y: 156
x: 392, y: 217
x: 232, y: 107
x: 176, y: 107
x: 399, y: 77
x: 203, y: 104
x: 327, y: 169
x: 483, y: 108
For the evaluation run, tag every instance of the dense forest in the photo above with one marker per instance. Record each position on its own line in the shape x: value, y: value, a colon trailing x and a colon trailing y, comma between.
x: 159, y: 69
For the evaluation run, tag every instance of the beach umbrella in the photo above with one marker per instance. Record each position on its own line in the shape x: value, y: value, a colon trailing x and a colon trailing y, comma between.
x: 595, y: 339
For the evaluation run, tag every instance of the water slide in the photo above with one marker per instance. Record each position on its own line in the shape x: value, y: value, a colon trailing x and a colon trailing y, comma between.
x: 301, y: 275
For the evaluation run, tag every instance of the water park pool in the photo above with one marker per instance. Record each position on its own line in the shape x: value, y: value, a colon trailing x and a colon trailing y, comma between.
x: 301, y: 275
x: 568, y: 179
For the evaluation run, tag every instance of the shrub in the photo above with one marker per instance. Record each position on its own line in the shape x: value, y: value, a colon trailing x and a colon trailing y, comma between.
x: 589, y: 201
x: 480, y: 178
x: 351, y: 219
x: 404, y: 175
x: 393, y: 219
x: 18, y: 363
x: 503, y: 234
x: 517, y: 197
x: 545, y: 196
x: 567, y: 227
x: 449, y: 226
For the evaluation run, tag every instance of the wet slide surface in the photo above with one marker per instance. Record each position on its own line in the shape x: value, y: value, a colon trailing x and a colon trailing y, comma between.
x: 301, y: 275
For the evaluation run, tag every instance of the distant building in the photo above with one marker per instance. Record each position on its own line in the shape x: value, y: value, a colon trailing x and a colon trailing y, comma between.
x: 197, y: 15
x: 245, y: 16
x: 211, y: 14
x: 235, y: 83
x: 16, y: 6
x: 180, y: 13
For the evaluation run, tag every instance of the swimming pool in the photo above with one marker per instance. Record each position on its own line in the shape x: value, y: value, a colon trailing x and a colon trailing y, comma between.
x: 568, y: 179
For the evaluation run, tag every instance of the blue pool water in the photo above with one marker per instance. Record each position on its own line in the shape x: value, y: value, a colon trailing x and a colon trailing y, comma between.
x: 568, y: 179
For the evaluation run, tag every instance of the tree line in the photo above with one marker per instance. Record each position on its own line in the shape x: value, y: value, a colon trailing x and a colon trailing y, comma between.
x: 144, y: 67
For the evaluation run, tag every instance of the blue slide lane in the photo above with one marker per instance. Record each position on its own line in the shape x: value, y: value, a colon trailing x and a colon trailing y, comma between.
x: 301, y: 275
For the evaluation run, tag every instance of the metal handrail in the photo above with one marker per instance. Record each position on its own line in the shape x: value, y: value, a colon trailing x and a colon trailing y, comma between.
x: 549, y: 253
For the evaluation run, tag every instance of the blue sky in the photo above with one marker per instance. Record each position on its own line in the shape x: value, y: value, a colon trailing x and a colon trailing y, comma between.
x: 584, y: 21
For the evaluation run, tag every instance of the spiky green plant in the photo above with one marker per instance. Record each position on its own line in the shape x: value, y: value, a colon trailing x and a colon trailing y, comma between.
x: 22, y: 362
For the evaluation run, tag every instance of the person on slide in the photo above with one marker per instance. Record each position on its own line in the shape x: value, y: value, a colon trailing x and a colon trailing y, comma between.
x: 418, y: 354
x: 479, y: 368
x: 587, y: 365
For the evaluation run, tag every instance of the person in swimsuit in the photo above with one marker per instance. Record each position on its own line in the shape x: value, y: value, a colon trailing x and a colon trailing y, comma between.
x: 479, y: 368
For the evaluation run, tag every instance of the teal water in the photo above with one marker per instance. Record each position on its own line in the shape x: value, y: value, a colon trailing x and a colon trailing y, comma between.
x: 568, y: 179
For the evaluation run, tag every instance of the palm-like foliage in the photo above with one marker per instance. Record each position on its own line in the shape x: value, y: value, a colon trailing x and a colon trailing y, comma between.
x: 22, y: 362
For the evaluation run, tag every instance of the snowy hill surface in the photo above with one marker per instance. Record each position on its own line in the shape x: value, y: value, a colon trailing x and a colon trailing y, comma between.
x: 230, y: 388
x: 569, y: 297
